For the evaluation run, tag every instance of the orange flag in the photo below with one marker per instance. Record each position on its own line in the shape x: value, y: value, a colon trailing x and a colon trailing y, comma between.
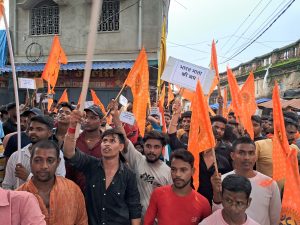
x: 161, y: 107
x: 201, y: 135
x: 187, y: 94
x: 281, y: 146
x: 64, y: 97
x: 138, y: 81
x: 214, y: 66
x: 248, y: 104
x: 290, y: 210
x: 97, y: 101
x: 56, y: 57
x: 234, y: 91
x: 170, y: 94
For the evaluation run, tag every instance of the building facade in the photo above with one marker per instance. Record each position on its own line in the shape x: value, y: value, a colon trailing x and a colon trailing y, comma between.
x: 282, y: 65
x: 123, y: 29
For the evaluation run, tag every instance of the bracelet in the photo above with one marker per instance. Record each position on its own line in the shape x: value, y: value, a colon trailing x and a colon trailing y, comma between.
x: 71, y: 130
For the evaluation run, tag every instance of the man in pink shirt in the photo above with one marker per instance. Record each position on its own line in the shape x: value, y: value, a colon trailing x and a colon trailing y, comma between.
x: 19, y: 207
x: 236, y: 199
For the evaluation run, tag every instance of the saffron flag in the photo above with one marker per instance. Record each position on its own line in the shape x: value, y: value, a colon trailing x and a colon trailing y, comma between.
x: 290, y: 210
x: 201, y: 136
x: 163, y: 53
x: 170, y: 94
x: 214, y: 66
x: 97, y: 101
x: 56, y: 57
x: 281, y: 146
x: 161, y: 107
x: 138, y: 81
x: 248, y: 104
x: 64, y: 97
x: 234, y: 91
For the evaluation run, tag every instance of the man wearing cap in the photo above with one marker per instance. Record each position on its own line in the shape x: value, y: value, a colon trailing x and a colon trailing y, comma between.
x: 89, y: 142
x: 40, y: 128
x: 10, y: 125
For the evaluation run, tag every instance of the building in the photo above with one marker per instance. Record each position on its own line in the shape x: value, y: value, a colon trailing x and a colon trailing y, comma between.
x: 282, y: 64
x: 125, y: 26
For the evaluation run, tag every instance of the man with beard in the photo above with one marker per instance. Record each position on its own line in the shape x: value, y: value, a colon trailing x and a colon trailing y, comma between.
x: 89, y: 142
x: 257, y: 127
x: 150, y: 171
x: 178, y: 204
x: 40, y: 128
x: 10, y: 125
x: 53, y: 192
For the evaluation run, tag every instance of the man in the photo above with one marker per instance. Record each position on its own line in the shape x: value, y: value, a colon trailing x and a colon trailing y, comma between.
x: 265, y: 205
x: 236, y: 199
x: 3, y: 113
x: 265, y: 124
x: 264, y: 150
x: 183, y: 133
x: 167, y: 118
x: 150, y: 171
x: 257, y: 127
x: 53, y: 192
x: 89, y: 142
x: 178, y: 204
x: 10, y: 125
x: 111, y: 194
x: 40, y: 128
x: 19, y: 207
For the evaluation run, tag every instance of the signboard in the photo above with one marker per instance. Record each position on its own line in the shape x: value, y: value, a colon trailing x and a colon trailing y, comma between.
x: 26, y: 83
x: 123, y: 101
x: 154, y: 111
x: 185, y: 75
x: 127, y: 117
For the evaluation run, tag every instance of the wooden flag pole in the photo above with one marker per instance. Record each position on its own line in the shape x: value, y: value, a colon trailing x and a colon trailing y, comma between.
x: 215, y: 160
x: 12, y: 60
x: 95, y: 15
x: 116, y: 99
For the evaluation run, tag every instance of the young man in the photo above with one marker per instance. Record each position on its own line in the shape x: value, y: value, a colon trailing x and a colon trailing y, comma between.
x: 235, y: 200
x: 10, y: 125
x: 257, y: 127
x: 19, y: 207
x: 265, y: 205
x: 54, y: 192
x: 178, y: 204
x: 111, y: 194
x: 40, y: 128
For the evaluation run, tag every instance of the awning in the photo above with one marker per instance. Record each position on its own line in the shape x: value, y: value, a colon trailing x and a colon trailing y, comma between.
x: 37, y: 67
x: 294, y: 103
x: 258, y: 101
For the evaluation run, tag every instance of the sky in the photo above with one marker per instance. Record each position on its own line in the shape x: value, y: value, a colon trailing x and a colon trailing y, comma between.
x: 193, y: 24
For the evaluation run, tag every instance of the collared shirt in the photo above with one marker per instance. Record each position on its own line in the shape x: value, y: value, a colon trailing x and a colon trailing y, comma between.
x: 59, y: 213
x: 19, y: 207
x: 117, y: 204
x: 10, y: 180
x: 74, y: 174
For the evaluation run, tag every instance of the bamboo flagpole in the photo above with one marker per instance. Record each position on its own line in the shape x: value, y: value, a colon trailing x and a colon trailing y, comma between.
x: 12, y: 60
x: 96, y: 13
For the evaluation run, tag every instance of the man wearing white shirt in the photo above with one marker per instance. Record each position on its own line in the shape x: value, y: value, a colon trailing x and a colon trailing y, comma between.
x: 40, y: 128
x: 265, y: 205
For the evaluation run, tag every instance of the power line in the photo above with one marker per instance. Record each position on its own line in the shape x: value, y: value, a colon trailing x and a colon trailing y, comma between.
x: 288, y: 6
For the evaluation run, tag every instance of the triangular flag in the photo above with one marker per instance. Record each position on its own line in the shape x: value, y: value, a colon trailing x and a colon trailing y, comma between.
x: 214, y: 66
x: 56, y: 57
x: 201, y: 136
x: 97, y: 101
x: 138, y: 81
x: 234, y: 91
x: 64, y: 97
x: 163, y: 54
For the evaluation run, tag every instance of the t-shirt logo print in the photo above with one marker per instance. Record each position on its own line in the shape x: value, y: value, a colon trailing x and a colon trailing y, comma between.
x: 150, y: 179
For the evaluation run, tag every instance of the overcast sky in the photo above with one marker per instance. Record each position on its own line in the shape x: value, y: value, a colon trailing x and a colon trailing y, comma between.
x: 194, y: 23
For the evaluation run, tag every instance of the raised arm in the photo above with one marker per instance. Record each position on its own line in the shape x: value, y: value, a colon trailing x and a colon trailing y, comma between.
x: 175, y: 117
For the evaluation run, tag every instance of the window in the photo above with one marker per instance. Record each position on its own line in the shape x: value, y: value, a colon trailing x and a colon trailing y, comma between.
x: 45, y: 18
x: 110, y: 16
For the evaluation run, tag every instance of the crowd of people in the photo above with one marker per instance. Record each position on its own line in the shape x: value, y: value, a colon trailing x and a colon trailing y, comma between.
x: 110, y: 175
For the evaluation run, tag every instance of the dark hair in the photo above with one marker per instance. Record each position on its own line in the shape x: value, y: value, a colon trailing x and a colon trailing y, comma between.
x: 237, y: 183
x: 186, y: 114
x: 256, y: 118
x: 184, y: 155
x: 228, y: 134
x: 114, y: 131
x: 157, y: 136
x: 289, y: 121
x: 291, y: 115
x: 65, y: 104
x: 218, y: 118
x: 11, y: 105
x: 231, y: 114
x: 45, y: 144
x: 47, y: 120
x: 264, y: 117
x: 242, y: 140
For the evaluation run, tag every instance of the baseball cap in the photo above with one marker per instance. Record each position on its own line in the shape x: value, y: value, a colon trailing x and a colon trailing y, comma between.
x: 96, y: 110
x: 34, y: 110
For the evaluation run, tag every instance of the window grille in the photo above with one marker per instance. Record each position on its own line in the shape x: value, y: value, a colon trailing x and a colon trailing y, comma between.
x: 45, y: 19
x: 110, y: 16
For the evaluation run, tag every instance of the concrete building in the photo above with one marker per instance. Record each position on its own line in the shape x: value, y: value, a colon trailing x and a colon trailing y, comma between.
x: 125, y: 26
x: 283, y: 65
